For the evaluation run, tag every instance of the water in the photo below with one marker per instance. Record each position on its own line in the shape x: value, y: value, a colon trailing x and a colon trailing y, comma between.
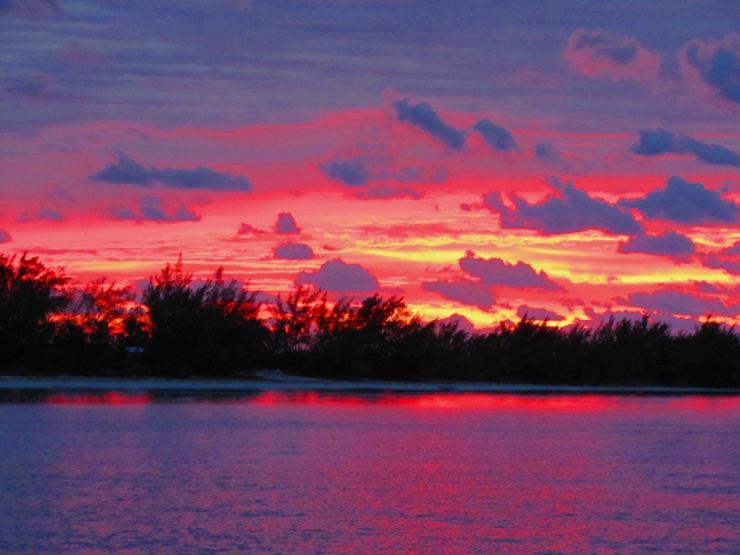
x: 287, y: 472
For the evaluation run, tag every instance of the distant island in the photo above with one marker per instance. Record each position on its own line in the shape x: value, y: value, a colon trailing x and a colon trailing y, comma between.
x: 219, y: 329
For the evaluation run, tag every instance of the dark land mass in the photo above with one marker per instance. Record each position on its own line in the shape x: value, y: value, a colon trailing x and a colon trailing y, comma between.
x: 218, y: 329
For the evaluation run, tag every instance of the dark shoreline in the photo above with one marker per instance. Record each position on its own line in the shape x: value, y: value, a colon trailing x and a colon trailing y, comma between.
x: 291, y: 384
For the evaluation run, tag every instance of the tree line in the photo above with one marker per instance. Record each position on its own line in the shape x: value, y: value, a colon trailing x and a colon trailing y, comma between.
x: 178, y: 328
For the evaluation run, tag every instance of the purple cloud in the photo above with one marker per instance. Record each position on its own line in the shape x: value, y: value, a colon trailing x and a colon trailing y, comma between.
x: 718, y: 64
x: 364, y: 163
x: 496, y: 136
x: 462, y: 323
x: 674, y: 302
x: 352, y: 173
x: 686, y: 203
x: 286, y: 224
x: 42, y: 215
x: 538, y: 313
x: 151, y: 210
x: 385, y: 192
x: 727, y: 259
x: 246, y: 229
x: 5, y: 237
x: 670, y: 243
x: 422, y: 115
x: 495, y: 271
x: 660, y: 141
x: 572, y: 210
x: 546, y: 151
x: 293, y: 251
x: 339, y: 277
x: 465, y: 291
x: 599, y: 54
x: 129, y: 172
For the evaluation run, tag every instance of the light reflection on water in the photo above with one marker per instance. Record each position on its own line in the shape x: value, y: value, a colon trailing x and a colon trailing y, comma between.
x: 307, y: 472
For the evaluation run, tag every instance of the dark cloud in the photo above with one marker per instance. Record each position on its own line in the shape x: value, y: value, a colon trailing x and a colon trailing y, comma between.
x: 669, y: 243
x: 350, y: 172
x: 422, y: 115
x: 286, y: 224
x: 538, y: 313
x: 733, y: 250
x: 130, y: 172
x: 714, y: 260
x: 707, y: 288
x: 152, y: 210
x: 363, y: 163
x: 5, y: 237
x: 497, y: 137
x: 720, y: 69
x: 246, y: 229
x: 339, y: 277
x: 385, y: 192
x: 293, y: 251
x: 465, y: 291
x: 495, y: 271
x: 686, y: 203
x: 727, y: 259
x: 125, y: 171
x: 660, y: 141
x: 675, y: 302
x: 546, y: 151
x: 572, y: 210
x: 43, y: 214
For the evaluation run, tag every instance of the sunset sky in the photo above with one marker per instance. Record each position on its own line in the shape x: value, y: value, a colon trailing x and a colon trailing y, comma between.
x: 568, y: 159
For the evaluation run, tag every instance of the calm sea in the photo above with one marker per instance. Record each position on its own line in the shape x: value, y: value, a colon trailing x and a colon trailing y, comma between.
x: 137, y: 473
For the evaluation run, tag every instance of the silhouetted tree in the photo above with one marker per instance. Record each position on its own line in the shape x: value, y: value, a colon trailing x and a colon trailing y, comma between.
x: 30, y: 293
x: 213, y: 329
x: 87, y: 333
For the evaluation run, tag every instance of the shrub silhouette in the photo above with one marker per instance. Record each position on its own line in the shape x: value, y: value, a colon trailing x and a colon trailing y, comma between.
x: 215, y: 329
x: 30, y: 294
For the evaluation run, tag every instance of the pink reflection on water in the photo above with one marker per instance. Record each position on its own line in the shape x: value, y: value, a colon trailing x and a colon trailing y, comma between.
x: 442, y: 401
x: 305, y: 472
x: 108, y: 398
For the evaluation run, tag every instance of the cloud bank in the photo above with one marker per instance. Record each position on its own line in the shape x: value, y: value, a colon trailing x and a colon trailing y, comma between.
x: 654, y: 143
x: 686, y: 203
x: 670, y: 243
x: 129, y: 172
x: 152, y: 209
x: 465, y: 291
x: 569, y: 211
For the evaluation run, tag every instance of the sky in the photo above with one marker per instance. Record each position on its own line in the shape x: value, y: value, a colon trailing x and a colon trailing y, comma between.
x: 566, y: 160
